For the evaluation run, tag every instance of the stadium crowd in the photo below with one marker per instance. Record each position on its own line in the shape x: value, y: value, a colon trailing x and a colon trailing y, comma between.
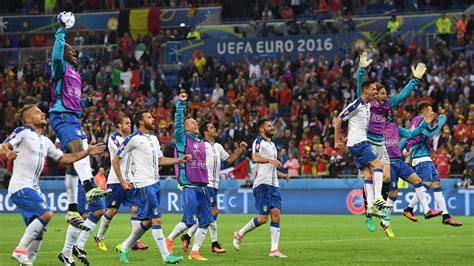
x: 302, y: 97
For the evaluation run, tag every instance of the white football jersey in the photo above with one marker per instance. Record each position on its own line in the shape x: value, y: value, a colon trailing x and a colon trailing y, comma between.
x: 113, y: 144
x: 32, y: 150
x: 358, y: 114
x: 215, y: 153
x: 144, y: 151
x: 267, y: 172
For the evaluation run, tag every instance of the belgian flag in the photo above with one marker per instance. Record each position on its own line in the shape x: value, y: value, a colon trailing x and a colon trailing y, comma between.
x: 139, y: 21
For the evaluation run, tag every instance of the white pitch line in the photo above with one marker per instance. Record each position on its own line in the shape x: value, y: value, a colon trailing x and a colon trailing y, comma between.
x: 297, y: 241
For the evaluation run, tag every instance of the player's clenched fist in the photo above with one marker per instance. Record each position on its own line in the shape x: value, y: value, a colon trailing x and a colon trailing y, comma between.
x: 183, y: 96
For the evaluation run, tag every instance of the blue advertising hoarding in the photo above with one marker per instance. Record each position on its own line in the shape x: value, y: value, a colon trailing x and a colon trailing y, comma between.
x: 233, y: 50
x: 295, y: 201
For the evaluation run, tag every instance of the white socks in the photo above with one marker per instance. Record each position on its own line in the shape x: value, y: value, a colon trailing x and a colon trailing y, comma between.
x: 275, y: 235
x: 71, y: 182
x: 104, y: 225
x: 136, y: 233
x: 193, y: 229
x: 213, y: 229
x: 369, y: 192
x: 83, y: 166
x: 134, y: 222
x: 390, y: 202
x: 33, y: 230
x: 378, y: 182
x: 199, y: 238
x: 71, y: 238
x: 178, y: 229
x: 421, y: 196
x: 34, y: 248
x: 83, y: 169
x: 439, y: 198
x: 91, y: 221
x: 160, y: 241
x: 252, y: 224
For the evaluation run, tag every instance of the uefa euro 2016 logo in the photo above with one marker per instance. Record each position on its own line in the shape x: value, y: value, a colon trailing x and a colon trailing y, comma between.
x: 355, y: 201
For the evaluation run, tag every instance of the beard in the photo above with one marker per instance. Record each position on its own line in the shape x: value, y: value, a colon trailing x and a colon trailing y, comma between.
x: 269, y: 134
x: 149, y: 126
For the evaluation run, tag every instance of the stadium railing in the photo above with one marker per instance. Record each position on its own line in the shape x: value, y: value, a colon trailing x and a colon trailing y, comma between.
x: 41, y: 55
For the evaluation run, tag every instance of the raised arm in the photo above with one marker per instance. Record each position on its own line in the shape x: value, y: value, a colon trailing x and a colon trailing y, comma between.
x: 58, y: 63
x: 179, y: 134
x: 360, y: 79
x: 363, y: 63
x: 417, y: 75
x: 234, y: 156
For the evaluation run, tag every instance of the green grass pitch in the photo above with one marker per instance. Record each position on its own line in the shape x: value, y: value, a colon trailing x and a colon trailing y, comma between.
x: 306, y: 239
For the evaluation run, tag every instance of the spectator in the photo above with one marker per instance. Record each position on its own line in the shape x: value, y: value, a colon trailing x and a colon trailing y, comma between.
x: 193, y: 34
x: 442, y: 164
x: 393, y: 25
x: 457, y: 164
x: 292, y: 165
x: 469, y: 158
x: 443, y: 26
x: 348, y: 24
x: 267, y: 14
x: 461, y: 27
x: 100, y: 179
x: 24, y: 42
x: 217, y: 94
x: 39, y: 40
x: 78, y: 41
x: 200, y: 63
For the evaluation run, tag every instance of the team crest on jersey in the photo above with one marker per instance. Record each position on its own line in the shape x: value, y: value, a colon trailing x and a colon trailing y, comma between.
x: 355, y: 201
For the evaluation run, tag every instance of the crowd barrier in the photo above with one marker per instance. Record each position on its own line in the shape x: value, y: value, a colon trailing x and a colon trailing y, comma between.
x: 301, y: 196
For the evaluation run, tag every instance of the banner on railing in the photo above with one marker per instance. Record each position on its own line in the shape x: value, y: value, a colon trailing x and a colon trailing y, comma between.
x: 295, y: 201
x: 233, y: 50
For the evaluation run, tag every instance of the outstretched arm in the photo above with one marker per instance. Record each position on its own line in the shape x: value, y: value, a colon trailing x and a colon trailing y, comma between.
x: 74, y: 157
x: 360, y: 79
x: 363, y: 63
x: 406, y: 91
x: 418, y: 73
x: 179, y: 135
x: 173, y: 161
x: 58, y: 63
x: 234, y: 156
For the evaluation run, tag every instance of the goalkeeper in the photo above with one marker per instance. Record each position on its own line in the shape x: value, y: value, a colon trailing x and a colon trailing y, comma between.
x: 66, y: 109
